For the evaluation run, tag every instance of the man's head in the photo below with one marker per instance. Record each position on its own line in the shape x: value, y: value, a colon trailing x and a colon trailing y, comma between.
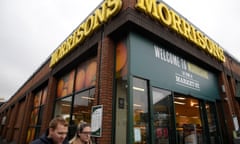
x: 58, y: 129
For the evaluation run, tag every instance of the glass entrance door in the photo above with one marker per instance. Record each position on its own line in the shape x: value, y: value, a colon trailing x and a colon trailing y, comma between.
x: 162, y: 116
x: 189, y: 123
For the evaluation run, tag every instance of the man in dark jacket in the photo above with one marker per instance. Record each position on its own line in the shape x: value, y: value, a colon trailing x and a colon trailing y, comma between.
x: 55, y: 134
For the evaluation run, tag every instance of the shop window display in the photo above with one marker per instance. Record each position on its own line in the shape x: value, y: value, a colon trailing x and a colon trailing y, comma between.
x: 36, y: 114
x: 140, y: 112
x: 75, y: 93
x: 162, y: 115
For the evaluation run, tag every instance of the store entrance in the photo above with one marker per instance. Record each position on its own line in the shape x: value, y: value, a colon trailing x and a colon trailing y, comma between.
x: 189, y: 124
x: 196, y: 121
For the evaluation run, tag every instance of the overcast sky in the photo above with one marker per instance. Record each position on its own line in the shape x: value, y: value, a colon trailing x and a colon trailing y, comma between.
x: 31, y: 30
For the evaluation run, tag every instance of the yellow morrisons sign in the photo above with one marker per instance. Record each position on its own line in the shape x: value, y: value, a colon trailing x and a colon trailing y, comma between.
x: 169, y: 18
x: 108, y: 9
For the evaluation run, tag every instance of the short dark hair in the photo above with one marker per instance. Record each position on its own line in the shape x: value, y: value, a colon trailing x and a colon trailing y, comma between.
x: 58, y: 120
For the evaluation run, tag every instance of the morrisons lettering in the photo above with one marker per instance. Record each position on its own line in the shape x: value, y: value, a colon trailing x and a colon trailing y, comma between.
x: 167, y: 17
x: 108, y: 9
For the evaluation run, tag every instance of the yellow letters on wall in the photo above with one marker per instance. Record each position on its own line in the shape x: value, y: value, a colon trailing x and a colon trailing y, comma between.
x: 108, y: 9
x: 168, y: 17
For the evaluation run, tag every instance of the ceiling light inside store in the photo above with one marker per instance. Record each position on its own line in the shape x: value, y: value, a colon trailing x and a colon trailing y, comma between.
x: 180, y: 98
x: 67, y: 105
x: 181, y: 103
x: 88, y: 98
x: 137, y: 105
x: 138, y: 88
x: 193, y: 103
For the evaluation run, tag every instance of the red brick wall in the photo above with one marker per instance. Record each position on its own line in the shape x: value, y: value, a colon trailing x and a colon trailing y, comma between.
x: 104, y: 91
x: 128, y: 3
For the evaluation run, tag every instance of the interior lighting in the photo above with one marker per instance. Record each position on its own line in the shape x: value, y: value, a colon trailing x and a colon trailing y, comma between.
x: 180, y: 103
x: 180, y: 98
x: 137, y: 105
x: 67, y: 105
x: 138, y: 88
x: 88, y: 98
x: 193, y: 103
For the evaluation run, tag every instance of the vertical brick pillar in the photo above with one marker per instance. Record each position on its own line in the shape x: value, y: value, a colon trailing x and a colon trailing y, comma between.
x: 227, y: 104
x: 104, y: 87
x: 234, y: 101
x: 128, y: 3
x: 48, y: 110
x: 11, y: 125
x: 26, y: 118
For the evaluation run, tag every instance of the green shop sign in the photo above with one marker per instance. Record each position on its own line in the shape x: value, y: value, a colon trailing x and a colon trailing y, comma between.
x: 168, y: 70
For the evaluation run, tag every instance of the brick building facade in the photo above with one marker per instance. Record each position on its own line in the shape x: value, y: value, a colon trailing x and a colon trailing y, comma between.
x: 122, y: 58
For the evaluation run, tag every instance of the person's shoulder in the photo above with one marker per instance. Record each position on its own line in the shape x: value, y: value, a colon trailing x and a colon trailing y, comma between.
x: 66, y: 142
x: 41, y: 140
x: 37, y: 141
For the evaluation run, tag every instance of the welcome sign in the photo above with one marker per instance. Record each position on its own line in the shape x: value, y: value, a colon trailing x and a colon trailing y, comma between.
x: 166, y: 69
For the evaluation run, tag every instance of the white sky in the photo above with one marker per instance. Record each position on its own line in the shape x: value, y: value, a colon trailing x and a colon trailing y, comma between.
x: 31, y: 30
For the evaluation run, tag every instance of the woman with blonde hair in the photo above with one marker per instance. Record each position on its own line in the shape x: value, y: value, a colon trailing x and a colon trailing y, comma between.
x: 83, y: 134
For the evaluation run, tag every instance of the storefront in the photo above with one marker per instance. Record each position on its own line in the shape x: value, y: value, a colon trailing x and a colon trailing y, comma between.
x: 139, y: 73
x: 171, y: 99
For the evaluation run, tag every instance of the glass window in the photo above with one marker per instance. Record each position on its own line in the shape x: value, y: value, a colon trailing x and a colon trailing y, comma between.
x: 30, y: 135
x: 86, y: 75
x: 63, y: 107
x: 44, y: 96
x: 65, y: 84
x: 76, y: 110
x: 162, y: 102
x: 140, y: 111
x: 75, y: 94
x: 34, y: 117
x: 211, y: 117
x: 121, y: 60
x: 82, y: 106
x: 39, y: 101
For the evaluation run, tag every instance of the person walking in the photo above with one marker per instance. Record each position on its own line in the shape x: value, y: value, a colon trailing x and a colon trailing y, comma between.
x: 55, y: 134
x: 83, y: 134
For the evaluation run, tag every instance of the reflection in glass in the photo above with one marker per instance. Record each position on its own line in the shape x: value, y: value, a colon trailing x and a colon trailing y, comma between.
x: 162, y: 123
x: 63, y: 107
x: 34, y: 117
x: 37, y: 99
x: 140, y: 111
x: 44, y: 96
x: 86, y: 75
x: 65, y: 84
x: 83, y: 103
x: 30, y: 135
x: 210, y: 109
